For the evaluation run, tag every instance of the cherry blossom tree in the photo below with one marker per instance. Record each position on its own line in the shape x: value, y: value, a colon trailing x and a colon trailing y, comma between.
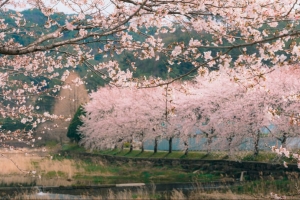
x: 231, y: 25
x: 282, y: 86
x: 206, y: 106
x: 221, y: 108
x: 116, y: 115
x: 138, y: 114
x: 252, y: 112
x: 271, y: 104
x: 244, y: 36
x: 174, y: 119
x: 170, y: 111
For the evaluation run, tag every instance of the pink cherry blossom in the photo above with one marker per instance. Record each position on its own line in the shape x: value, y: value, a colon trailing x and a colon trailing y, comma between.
x: 69, y: 26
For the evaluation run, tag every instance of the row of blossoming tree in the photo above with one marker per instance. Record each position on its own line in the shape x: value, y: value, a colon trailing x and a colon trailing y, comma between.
x: 213, y: 106
x: 263, y: 33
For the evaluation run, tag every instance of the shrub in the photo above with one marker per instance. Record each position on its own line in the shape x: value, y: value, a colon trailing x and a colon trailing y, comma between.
x: 72, y: 129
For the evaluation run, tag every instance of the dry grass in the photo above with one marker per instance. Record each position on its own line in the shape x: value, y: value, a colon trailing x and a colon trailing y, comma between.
x: 16, y: 163
x: 143, y: 194
x: 65, y: 166
x: 12, y: 166
x: 27, y: 166
x: 46, y: 196
x: 219, y: 196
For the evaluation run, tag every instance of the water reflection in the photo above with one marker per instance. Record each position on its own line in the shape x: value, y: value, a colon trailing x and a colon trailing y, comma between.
x: 42, y: 195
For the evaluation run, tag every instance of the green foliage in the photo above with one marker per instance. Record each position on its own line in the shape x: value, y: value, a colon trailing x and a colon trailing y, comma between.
x: 45, y: 103
x: 72, y: 129
x: 126, y: 144
x: 13, y: 124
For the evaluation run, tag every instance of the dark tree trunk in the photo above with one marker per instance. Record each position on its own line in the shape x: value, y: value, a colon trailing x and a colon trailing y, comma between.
x: 142, y: 142
x: 142, y: 147
x: 209, y: 141
x: 131, y: 146
x: 186, y: 148
x: 229, y: 139
x: 256, y: 141
x: 170, y: 144
x: 155, y: 145
x: 283, y: 141
x: 118, y: 144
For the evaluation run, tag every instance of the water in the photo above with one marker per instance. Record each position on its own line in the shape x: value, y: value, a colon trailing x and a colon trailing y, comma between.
x: 88, y: 192
x: 42, y: 195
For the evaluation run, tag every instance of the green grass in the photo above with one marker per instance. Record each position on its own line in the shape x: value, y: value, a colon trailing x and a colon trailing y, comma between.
x: 51, y: 174
x: 90, y: 167
x: 111, y: 174
x: 145, y: 176
x: 55, y: 174
x: 73, y: 147
x: 51, y: 144
x: 263, y: 156
x: 97, y: 173
x: 164, y: 154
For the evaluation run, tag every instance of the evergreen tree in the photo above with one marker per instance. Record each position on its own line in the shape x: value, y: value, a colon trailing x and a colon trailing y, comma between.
x: 72, y: 129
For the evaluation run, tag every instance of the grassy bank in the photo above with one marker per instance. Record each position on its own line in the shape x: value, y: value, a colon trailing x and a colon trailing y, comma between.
x: 54, y: 169
x: 263, y: 156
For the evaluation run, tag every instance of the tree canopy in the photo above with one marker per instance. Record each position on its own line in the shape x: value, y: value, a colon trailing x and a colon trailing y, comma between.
x: 114, y: 39
x: 210, y: 107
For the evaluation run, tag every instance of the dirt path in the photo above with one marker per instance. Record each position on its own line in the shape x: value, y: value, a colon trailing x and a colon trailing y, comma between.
x: 66, y: 105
